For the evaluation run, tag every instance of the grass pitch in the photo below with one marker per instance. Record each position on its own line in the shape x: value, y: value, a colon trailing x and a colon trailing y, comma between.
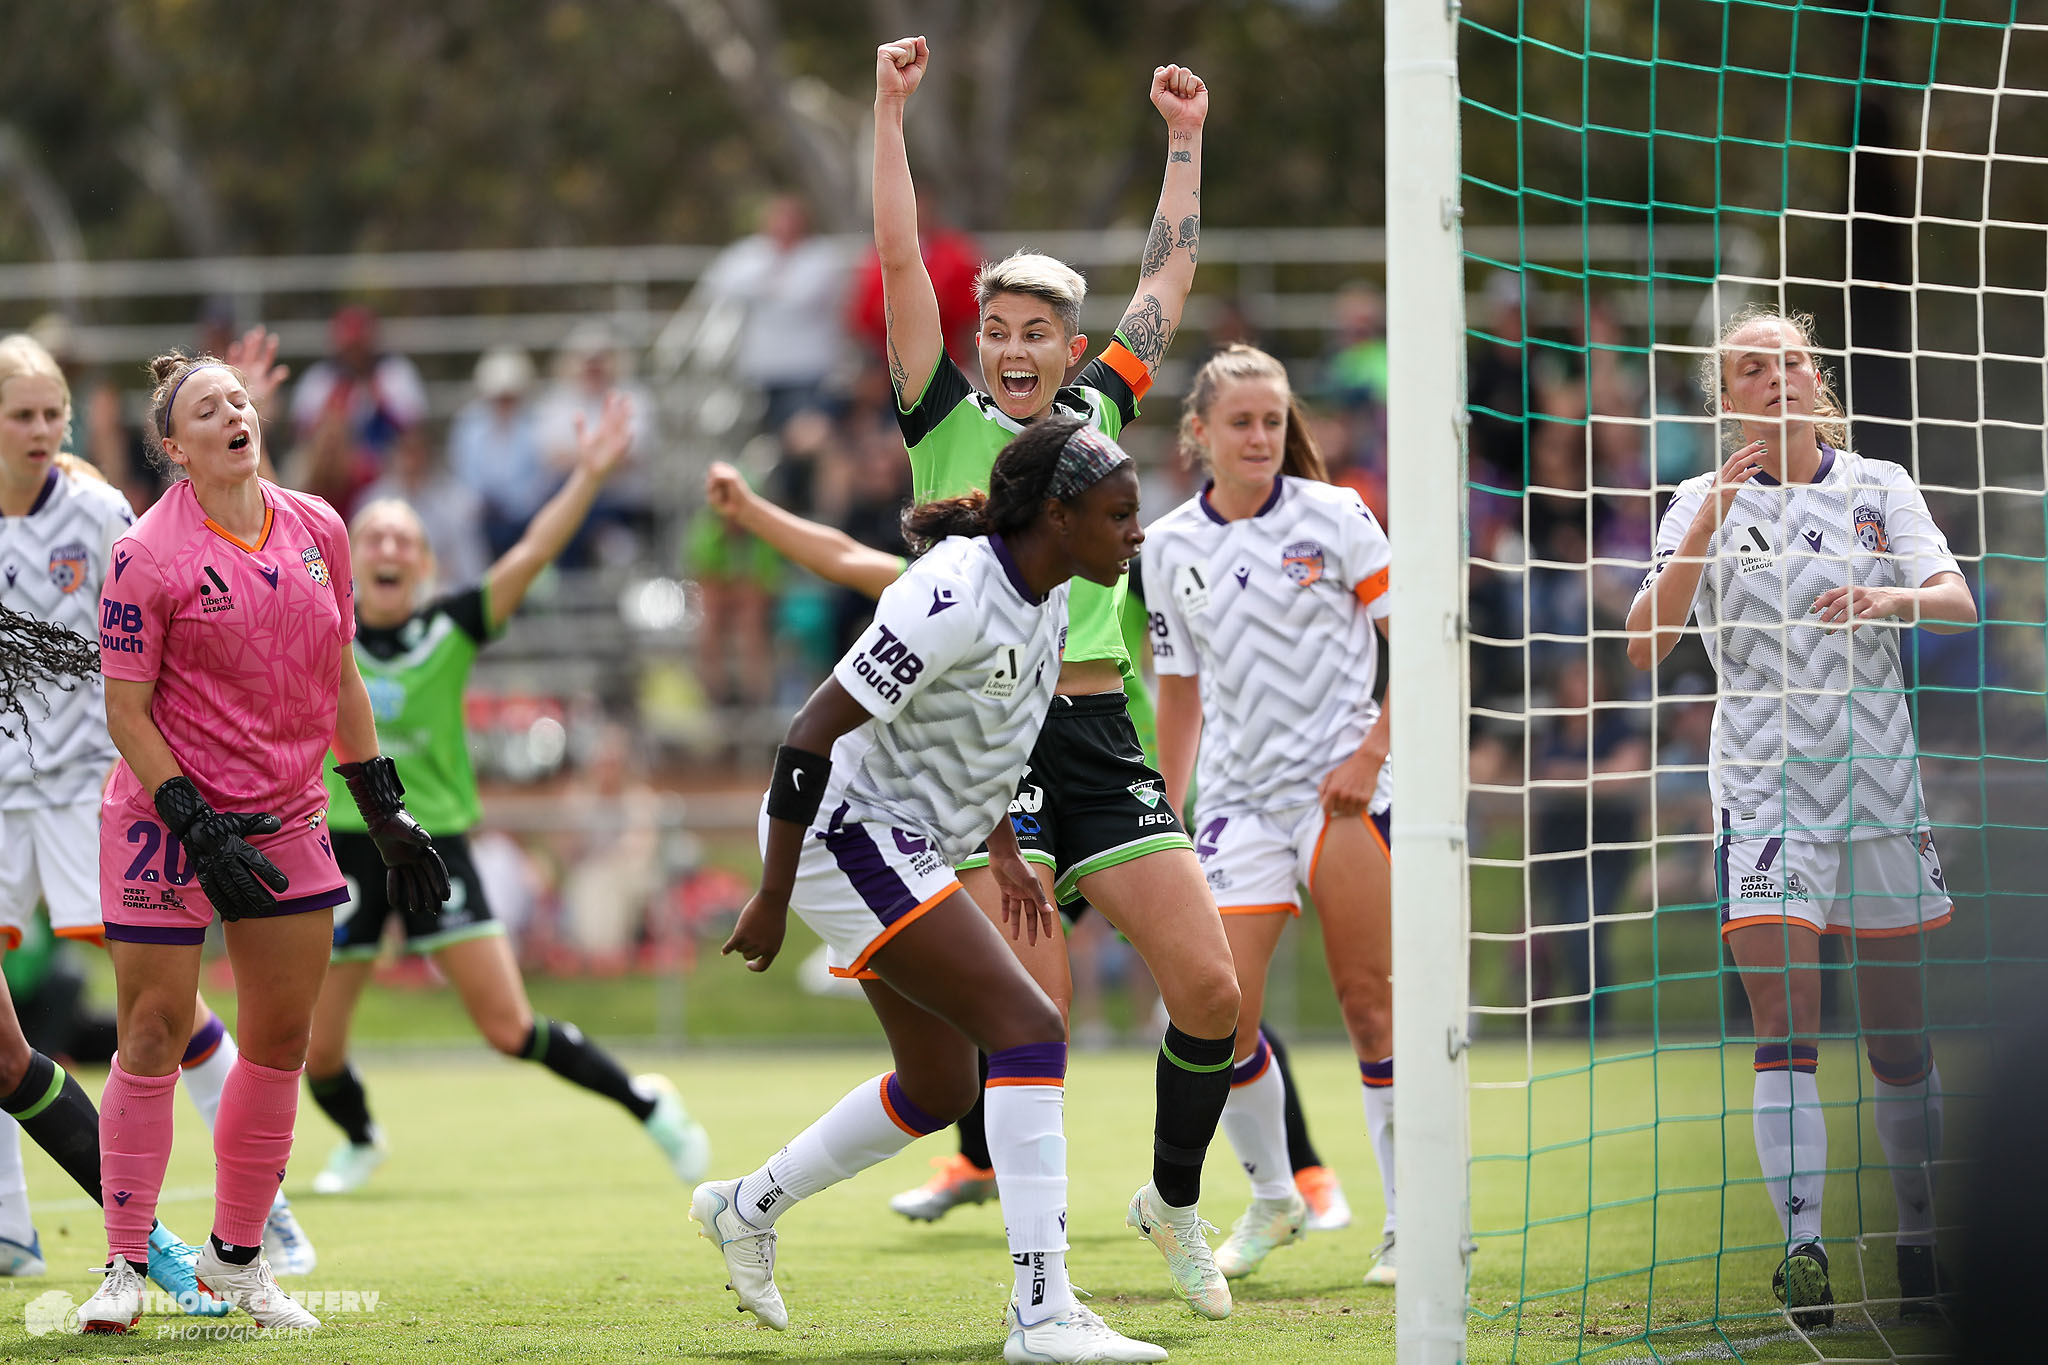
x: 519, y: 1219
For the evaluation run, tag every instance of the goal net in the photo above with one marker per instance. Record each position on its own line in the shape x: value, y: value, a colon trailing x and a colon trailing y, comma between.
x: 1631, y: 176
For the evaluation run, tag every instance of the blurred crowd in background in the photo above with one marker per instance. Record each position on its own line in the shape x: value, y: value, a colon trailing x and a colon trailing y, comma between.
x: 1571, y: 439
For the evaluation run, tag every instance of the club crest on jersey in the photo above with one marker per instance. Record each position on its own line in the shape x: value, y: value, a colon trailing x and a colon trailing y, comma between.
x: 1147, y: 793
x: 315, y: 565
x: 67, y: 566
x: 1302, y: 562
x: 1870, y: 532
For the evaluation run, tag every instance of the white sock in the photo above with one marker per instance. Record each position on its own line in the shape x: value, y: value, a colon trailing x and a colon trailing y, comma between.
x: 873, y: 1123
x: 1255, y: 1120
x: 1379, y: 1126
x: 1027, y: 1142
x: 1909, y: 1128
x: 205, y: 1078
x: 16, y: 1225
x: 1792, y: 1149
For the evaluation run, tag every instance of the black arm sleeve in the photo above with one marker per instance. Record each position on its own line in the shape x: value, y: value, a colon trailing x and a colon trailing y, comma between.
x: 942, y: 393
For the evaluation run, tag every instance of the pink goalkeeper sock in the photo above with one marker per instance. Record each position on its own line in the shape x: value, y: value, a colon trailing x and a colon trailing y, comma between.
x: 136, y: 1121
x: 252, y: 1141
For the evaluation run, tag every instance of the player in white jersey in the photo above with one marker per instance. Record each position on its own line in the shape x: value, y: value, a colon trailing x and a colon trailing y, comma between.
x: 1802, y: 562
x: 1268, y: 594
x: 929, y: 721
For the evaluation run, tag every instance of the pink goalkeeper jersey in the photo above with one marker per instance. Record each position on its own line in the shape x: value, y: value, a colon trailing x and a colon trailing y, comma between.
x: 244, y: 642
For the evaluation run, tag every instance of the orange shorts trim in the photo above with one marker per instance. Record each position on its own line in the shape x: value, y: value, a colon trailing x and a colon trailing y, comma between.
x: 1292, y: 909
x: 848, y: 974
x: 80, y: 933
x: 1901, y: 932
x: 908, y: 918
x: 1057, y: 1082
x: 1747, y: 920
x: 1128, y: 368
x: 12, y: 935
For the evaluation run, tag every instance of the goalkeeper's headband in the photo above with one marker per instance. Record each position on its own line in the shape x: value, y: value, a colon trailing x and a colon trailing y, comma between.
x: 1085, y: 460
x: 163, y: 421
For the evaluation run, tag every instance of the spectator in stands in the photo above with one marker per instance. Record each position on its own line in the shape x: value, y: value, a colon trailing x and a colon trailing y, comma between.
x: 373, y: 395
x: 1495, y: 382
x: 449, y: 509
x: 1597, y: 747
x: 611, y: 856
x: 952, y: 259
x: 494, y: 446
x: 792, y: 287
x: 589, y: 366
x: 1355, y: 374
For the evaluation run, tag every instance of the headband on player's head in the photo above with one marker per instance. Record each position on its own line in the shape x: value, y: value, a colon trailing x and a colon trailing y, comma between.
x: 1087, y: 458
x: 163, y: 421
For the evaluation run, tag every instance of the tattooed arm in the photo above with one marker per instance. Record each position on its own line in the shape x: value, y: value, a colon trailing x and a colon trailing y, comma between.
x: 1168, y: 269
x: 909, y: 304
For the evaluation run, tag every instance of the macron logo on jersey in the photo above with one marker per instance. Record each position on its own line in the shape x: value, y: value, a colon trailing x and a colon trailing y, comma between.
x: 269, y: 572
x: 941, y: 599
x: 1813, y: 539
x: 120, y: 565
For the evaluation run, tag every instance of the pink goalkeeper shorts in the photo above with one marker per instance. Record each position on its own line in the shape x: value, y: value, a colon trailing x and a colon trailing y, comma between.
x: 148, y: 893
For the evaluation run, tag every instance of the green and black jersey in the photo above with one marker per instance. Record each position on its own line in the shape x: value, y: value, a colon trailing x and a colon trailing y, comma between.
x: 955, y: 433
x: 416, y: 674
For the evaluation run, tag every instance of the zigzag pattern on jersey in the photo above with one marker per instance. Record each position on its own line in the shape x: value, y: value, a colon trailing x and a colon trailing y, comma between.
x: 1286, y: 669
x: 950, y: 763
x: 1812, y: 731
x: 51, y: 566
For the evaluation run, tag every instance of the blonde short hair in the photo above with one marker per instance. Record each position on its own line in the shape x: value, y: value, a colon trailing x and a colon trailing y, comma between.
x: 1039, y: 276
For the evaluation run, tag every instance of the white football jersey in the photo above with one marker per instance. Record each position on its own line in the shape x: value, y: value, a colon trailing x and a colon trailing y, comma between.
x: 52, y: 562
x: 1275, y: 614
x: 1813, y: 731
x: 958, y: 669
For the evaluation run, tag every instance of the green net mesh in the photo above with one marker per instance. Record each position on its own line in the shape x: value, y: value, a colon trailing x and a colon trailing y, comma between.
x: 1633, y: 174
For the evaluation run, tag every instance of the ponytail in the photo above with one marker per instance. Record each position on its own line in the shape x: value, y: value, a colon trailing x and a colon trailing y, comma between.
x: 1301, y: 457
x: 928, y: 523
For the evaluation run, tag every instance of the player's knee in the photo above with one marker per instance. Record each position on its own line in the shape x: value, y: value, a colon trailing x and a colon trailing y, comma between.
x: 945, y: 1093
x: 14, y: 1055
x: 1206, y: 1004
x: 152, y: 1040
x: 1369, y: 1018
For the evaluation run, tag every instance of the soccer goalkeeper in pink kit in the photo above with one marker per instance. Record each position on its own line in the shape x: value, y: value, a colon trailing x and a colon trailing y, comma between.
x: 224, y: 637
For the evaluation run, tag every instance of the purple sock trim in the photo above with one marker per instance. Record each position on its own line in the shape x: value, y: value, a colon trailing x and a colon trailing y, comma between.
x: 1254, y: 1066
x: 1779, y: 1057
x: 1031, y: 1062
x: 206, y: 1040
x: 1377, y: 1073
x: 907, y: 1113
x: 1908, y: 1073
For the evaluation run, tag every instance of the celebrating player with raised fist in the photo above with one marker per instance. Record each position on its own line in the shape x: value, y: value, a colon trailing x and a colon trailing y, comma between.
x: 224, y: 633
x: 1102, y: 828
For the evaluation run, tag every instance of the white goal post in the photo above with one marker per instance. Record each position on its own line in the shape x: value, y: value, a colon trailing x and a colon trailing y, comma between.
x: 1426, y: 685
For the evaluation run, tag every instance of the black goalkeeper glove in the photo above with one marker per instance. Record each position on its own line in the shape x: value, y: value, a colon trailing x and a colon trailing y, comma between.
x: 234, y: 876
x: 415, y: 878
